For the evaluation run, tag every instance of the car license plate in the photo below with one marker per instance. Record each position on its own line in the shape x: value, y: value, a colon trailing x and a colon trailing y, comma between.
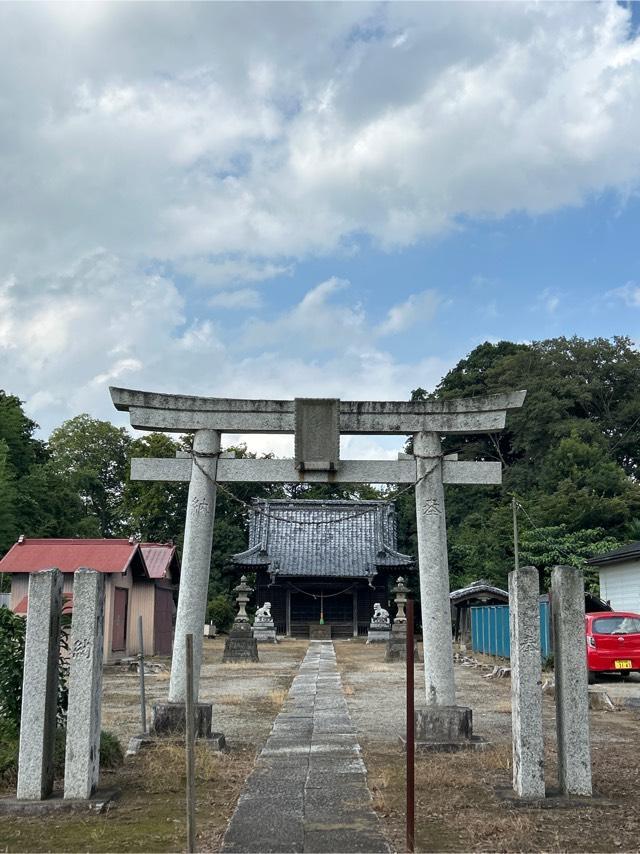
x: 623, y: 664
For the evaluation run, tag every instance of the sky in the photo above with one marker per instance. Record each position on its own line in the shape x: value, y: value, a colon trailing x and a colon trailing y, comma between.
x: 278, y: 200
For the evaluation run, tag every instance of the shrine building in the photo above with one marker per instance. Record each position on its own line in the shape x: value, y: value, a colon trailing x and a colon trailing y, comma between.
x: 322, y: 562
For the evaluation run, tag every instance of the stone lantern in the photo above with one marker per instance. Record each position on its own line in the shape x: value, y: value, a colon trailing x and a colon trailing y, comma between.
x: 400, y: 592
x: 397, y: 643
x: 242, y: 591
x: 241, y: 645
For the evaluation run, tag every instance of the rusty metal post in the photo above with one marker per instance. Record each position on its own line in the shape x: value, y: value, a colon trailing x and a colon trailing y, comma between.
x: 411, y: 744
x: 143, y: 706
x: 189, y: 745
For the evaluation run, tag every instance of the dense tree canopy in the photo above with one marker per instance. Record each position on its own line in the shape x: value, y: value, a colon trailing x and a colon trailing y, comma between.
x: 570, y: 458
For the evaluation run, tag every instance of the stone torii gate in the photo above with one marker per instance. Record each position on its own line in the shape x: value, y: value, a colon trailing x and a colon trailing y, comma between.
x: 317, y: 425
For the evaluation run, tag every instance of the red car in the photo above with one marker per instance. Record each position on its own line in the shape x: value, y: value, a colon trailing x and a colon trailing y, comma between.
x: 613, y: 643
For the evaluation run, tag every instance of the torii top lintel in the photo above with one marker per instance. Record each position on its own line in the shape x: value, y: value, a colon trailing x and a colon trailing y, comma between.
x: 179, y: 413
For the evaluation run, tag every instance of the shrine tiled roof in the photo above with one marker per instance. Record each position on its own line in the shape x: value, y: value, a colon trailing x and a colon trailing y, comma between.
x: 352, y: 539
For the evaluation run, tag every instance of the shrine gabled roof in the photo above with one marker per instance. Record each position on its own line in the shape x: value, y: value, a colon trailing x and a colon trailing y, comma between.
x: 477, y: 590
x: 352, y: 539
x: 149, y: 560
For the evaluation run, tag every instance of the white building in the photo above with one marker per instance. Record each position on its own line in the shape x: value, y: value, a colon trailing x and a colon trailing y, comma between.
x: 620, y: 577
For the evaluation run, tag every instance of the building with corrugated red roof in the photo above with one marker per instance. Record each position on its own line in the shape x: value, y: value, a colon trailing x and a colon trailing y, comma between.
x: 141, y: 579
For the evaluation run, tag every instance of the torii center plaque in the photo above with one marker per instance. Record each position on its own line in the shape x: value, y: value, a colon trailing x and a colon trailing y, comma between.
x: 317, y: 425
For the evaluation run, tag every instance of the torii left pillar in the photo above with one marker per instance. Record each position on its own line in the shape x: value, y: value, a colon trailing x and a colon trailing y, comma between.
x: 194, y: 583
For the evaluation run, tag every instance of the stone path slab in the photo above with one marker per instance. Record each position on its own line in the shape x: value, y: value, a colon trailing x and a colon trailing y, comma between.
x: 308, y: 791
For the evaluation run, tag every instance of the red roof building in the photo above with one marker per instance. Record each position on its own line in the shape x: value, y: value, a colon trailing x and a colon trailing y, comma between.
x: 141, y: 579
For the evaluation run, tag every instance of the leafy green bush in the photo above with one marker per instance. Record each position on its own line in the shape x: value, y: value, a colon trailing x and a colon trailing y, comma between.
x: 111, y: 754
x: 12, y: 636
x: 8, y: 751
x: 13, y: 630
x: 221, y: 612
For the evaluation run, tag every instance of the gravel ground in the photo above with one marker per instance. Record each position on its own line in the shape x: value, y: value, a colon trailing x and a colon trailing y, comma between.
x: 464, y: 801
x: 460, y: 803
x: 245, y: 697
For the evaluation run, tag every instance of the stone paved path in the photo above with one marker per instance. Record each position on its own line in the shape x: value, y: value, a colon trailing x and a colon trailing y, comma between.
x: 308, y: 791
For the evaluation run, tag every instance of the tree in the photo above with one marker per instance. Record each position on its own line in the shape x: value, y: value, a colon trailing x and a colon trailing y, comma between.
x: 7, y: 500
x: 93, y: 455
x: 553, y: 545
x: 154, y: 512
x: 16, y: 431
x: 571, y: 453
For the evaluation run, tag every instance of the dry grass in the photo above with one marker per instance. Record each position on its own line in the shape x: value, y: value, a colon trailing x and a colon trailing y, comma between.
x: 210, y: 765
x: 276, y: 698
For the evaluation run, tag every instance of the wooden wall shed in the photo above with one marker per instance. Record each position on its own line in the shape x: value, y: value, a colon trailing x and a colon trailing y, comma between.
x: 462, y: 600
x: 141, y: 579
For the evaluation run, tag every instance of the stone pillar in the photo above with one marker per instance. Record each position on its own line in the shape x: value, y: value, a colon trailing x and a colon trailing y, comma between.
x: 40, y: 686
x: 434, y: 572
x: 82, y: 758
x: 196, y: 560
x: 526, y: 683
x: 572, y: 697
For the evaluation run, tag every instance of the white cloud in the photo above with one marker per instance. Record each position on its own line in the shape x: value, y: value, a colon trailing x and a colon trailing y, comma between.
x: 315, y: 322
x: 149, y: 152
x: 288, y: 134
x: 418, y: 308
x: 245, y: 298
x: 629, y: 293
x: 63, y: 341
x: 221, y: 273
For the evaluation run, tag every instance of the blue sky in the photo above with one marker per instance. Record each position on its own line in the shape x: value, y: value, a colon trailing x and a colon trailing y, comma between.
x: 276, y: 200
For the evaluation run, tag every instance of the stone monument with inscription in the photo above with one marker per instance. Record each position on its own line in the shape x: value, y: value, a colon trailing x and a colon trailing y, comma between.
x: 318, y: 425
x: 82, y: 756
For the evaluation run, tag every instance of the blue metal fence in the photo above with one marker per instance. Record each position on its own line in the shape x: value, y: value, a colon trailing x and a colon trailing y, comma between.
x: 490, y: 630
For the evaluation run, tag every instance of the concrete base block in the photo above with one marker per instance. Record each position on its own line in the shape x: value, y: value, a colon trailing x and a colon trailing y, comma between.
x: 97, y: 803
x: 378, y: 635
x: 169, y: 719
x: 216, y: 741
x: 240, y: 648
x: 443, y: 724
x: 397, y: 648
x: 475, y: 743
x: 319, y: 632
x: 554, y: 800
x: 265, y: 634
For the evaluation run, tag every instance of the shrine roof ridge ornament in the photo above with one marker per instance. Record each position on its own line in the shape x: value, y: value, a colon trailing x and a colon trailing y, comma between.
x: 176, y: 413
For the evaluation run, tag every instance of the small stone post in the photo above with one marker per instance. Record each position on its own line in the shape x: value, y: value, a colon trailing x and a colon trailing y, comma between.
x: 40, y: 686
x: 434, y: 572
x: 572, y: 697
x: 526, y: 683
x: 196, y: 560
x: 82, y: 758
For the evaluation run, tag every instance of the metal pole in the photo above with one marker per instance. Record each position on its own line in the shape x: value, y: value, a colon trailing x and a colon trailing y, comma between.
x: 410, y: 731
x: 143, y: 705
x: 189, y: 746
x: 514, y: 507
